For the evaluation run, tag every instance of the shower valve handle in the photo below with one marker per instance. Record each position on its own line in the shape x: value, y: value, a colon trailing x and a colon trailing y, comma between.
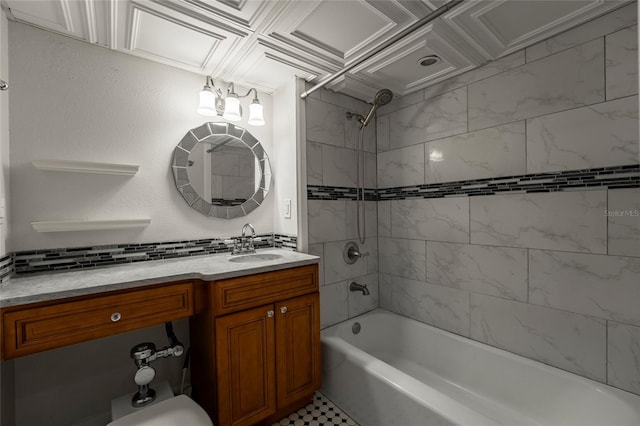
x: 353, y: 253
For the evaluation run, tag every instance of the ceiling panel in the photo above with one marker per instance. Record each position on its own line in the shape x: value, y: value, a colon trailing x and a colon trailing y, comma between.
x: 500, y: 27
x: 156, y: 32
x: 62, y: 16
x: 399, y: 68
x: 264, y: 43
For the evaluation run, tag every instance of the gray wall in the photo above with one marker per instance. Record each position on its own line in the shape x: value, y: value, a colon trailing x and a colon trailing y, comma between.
x: 550, y: 276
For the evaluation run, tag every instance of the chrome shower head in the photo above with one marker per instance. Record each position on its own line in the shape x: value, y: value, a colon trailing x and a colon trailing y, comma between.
x: 383, y: 97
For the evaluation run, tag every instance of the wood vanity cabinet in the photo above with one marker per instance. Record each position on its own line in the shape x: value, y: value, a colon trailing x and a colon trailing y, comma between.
x: 36, y: 327
x: 258, y: 363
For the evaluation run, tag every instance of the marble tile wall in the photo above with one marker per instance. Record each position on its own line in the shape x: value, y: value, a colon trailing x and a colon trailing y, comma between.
x: 332, y: 207
x: 553, y: 276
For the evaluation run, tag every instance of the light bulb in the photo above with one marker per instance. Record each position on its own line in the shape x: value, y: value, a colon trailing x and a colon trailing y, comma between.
x: 232, y: 108
x: 207, y: 104
x: 255, y: 114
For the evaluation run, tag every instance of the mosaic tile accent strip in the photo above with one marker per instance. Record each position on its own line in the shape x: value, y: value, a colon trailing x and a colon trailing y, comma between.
x: 41, y: 261
x: 320, y: 412
x: 605, y: 177
x: 338, y: 193
x: 600, y: 178
x: 6, y: 267
x: 285, y: 242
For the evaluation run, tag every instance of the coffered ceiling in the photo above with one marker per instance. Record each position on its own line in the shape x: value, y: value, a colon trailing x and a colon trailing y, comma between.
x: 262, y: 43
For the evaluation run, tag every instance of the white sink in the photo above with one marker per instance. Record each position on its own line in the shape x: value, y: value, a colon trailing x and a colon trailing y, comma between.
x: 254, y: 257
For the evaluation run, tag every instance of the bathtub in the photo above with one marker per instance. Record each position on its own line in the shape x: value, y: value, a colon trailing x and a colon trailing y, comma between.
x: 397, y: 371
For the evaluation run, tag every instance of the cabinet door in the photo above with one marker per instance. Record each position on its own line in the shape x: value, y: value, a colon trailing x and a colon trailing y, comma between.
x: 246, y: 366
x: 298, y: 348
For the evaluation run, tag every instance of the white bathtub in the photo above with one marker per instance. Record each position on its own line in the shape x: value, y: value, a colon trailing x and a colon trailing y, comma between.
x: 397, y: 371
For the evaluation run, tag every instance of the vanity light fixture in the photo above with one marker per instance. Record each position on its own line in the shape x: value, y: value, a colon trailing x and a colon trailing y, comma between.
x: 213, y: 102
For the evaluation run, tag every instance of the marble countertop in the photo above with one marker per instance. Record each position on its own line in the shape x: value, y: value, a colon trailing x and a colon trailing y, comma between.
x: 59, y: 285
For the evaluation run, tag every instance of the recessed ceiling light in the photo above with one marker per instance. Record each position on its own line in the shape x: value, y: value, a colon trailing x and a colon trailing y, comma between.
x: 429, y: 60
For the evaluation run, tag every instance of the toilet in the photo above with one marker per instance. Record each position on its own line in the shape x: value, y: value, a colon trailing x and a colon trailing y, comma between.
x: 177, y: 411
x: 165, y: 410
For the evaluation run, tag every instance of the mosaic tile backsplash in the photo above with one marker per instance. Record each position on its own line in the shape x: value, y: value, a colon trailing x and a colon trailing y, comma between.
x: 64, y: 259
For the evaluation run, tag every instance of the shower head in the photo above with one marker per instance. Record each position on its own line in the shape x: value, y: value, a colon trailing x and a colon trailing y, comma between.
x: 383, y: 97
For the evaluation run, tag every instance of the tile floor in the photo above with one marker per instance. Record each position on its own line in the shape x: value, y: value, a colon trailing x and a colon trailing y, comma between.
x: 320, y: 412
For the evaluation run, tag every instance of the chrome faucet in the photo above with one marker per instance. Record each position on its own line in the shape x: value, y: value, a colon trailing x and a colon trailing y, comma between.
x: 245, y: 243
x: 354, y: 286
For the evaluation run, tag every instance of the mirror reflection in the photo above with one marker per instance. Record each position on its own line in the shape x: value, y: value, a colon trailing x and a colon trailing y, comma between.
x: 221, y: 170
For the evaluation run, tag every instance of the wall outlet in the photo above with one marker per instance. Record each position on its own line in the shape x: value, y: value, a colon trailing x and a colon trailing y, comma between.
x: 287, y: 208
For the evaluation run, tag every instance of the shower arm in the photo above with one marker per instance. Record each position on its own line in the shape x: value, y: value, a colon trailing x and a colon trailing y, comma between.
x: 412, y: 28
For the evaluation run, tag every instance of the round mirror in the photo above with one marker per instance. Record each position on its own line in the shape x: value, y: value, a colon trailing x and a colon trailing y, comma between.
x: 221, y: 170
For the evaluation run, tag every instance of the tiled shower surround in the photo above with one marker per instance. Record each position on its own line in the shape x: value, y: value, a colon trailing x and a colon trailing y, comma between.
x: 508, y: 203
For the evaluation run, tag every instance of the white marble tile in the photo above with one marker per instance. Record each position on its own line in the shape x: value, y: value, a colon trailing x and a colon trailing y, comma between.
x: 435, y: 118
x: 569, y: 221
x: 318, y: 250
x: 369, y: 215
x: 613, y: 21
x: 495, y: 271
x: 382, y: 133
x: 491, y: 68
x: 442, y: 307
x: 493, y: 152
x: 623, y: 357
x: 371, y: 246
x: 359, y: 303
x: 352, y: 134
x: 338, y: 166
x: 384, y: 218
x: 371, y: 170
x: 326, y: 220
x: 401, y: 167
x: 623, y: 215
x: 569, y: 79
x: 403, y: 258
x: 314, y: 163
x: 399, y: 102
x: 325, y: 122
x: 438, y: 219
x: 336, y: 269
x: 334, y: 304
x: 601, y: 286
x: 599, y: 135
x: 342, y: 100
x: 622, y: 63
x: 565, y: 340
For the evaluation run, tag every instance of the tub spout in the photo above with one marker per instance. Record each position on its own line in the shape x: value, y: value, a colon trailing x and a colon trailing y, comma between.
x: 354, y: 286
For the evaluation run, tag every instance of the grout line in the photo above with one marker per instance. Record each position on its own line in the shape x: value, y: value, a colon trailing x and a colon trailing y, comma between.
x: 604, y: 60
x: 606, y: 351
x: 528, y: 277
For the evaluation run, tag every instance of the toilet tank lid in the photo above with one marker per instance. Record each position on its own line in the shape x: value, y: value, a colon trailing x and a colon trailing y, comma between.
x: 179, y: 411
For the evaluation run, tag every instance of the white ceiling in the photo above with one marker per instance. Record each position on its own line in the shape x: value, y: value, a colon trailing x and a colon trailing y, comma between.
x: 260, y: 43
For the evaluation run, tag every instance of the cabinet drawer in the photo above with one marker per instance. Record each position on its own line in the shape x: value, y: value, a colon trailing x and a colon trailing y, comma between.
x: 36, y: 329
x: 235, y: 294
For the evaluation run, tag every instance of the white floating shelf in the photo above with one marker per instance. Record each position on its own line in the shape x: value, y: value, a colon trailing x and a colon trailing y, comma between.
x: 86, y: 167
x: 89, y: 225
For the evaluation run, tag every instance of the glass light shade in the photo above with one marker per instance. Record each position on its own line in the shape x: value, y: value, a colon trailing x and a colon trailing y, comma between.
x: 207, y: 104
x: 255, y: 114
x: 232, y: 109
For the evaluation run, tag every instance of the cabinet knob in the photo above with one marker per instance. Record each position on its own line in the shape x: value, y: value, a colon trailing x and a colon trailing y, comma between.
x: 283, y: 310
x: 115, y: 317
x: 270, y: 313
